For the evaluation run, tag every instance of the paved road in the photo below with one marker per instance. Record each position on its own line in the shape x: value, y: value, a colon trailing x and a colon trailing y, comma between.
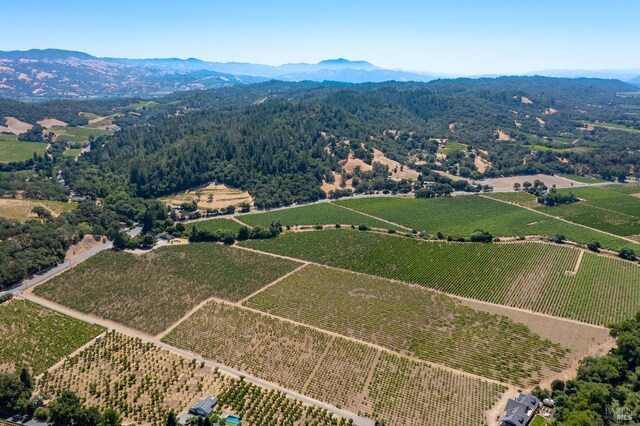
x: 361, y: 421
x: 50, y: 273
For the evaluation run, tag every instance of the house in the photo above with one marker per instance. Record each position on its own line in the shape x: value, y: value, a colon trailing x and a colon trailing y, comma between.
x: 204, y: 407
x: 520, y: 410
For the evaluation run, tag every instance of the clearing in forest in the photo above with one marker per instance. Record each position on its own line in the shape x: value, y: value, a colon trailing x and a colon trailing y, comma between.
x: 20, y: 209
x: 212, y: 196
x: 150, y: 292
x: 36, y: 337
x: 525, y: 275
x: 13, y: 150
x: 332, y: 369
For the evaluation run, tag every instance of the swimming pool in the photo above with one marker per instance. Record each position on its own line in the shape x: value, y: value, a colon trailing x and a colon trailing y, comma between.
x: 233, y: 420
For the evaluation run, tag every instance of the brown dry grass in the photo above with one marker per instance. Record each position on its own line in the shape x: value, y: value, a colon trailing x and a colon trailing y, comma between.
x: 328, y: 187
x: 51, y: 122
x: 398, y: 170
x: 20, y: 209
x: 213, y: 196
x: 87, y: 243
x: 351, y: 163
x: 506, y: 183
x: 481, y: 164
x: 503, y: 137
x: 15, y: 126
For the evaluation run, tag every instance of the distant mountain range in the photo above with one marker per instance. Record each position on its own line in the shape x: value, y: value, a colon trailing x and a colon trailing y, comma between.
x: 67, y: 74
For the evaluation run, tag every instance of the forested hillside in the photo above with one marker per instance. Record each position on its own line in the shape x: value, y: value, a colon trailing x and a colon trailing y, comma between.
x: 280, y: 140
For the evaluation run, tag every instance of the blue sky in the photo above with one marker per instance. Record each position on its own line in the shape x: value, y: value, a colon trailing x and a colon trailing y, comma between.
x: 454, y: 36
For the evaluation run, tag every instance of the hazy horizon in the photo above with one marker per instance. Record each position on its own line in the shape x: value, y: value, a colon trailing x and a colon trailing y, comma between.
x: 456, y: 38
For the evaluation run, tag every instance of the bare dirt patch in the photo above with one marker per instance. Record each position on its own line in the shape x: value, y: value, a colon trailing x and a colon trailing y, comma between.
x: 540, y: 121
x: 15, y: 126
x: 550, y: 111
x: 47, y: 123
x: 212, y: 196
x: 481, y: 164
x: 85, y: 244
x: 397, y: 169
x: 328, y: 187
x: 502, y: 136
x: 506, y: 183
x: 526, y: 100
x: 351, y: 163
x: 517, y: 123
x: 581, y: 339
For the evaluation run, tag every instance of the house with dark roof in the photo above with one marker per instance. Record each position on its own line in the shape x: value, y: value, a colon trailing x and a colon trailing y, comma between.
x: 204, y: 407
x: 520, y: 410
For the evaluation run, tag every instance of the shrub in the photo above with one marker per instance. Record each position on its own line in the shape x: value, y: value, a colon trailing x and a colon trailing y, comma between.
x: 627, y: 254
x: 594, y: 246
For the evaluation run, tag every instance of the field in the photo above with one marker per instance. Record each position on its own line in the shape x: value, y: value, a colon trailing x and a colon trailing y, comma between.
x: 331, y: 368
x: 76, y: 134
x: 212, y: 196
x: 72, y: 152
x: 36, y: 337
x: 144, y: 382
x: 581, y: 179
x: 535, y: 276
x: 412, y: 320
x: 605, y: 208
x: 612, y: 126
x: 321, y: 214
x: 150, y: 292
x: 20, y: 210
x: 11, y: 149
x: 460, y: 216
x: 214, y: 225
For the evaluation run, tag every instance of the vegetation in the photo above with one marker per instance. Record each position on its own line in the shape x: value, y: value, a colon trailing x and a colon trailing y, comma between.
x: 331, y: 368
x: 601, y: 208
x: 21, y: 210
x: 460, y: 216
x: 150, y: 292
x: 412, y: 320
x: 36, y: 338
x: 604, y: 391
x: 602, y: 290
x: 13, y: 150
x: 321, y: 214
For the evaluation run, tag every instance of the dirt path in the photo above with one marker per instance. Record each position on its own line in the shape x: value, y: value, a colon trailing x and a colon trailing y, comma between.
x: 489, y: 304
x: 562, y: 219
x: 578, y: 262
x: 368, y: 380
x: 274, y: 282
x: 494, y: 413
x: 358, y: 420
x: 235, y: 219
x: 318, y: 365
x: 372, y: 217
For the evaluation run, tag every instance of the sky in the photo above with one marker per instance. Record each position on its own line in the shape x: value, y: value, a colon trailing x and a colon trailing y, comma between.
x: 449, y: 37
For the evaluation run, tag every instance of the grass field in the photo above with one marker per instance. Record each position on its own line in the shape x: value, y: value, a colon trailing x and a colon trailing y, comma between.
x: 582, y: 179
x: 605, y: 208
x: 77, y: 134
x: 612, y: 126
x: 322, y: 214
x: 213, y: 225
x: 36, y: 337
x: 72, y: 152
x: 18, y: 209
x: 412, y: 320
x: 333, y: 369
x: 11, y: 149
x: 149, y: 292
x: 531, y: 276
x: 460, y: 216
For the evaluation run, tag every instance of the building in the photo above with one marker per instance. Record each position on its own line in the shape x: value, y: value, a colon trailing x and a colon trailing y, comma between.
x: 520, y: 410
x: 204, y: 407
